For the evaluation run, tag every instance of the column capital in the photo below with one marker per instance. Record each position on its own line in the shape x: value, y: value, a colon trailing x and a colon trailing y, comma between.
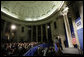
x: 64, y: 12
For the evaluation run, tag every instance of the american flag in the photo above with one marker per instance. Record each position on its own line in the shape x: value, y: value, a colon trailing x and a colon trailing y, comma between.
x: 74, y: 41
x: 73, y: 38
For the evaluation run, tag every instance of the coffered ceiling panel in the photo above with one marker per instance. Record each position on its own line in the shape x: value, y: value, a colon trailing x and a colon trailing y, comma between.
x: 30, y: 10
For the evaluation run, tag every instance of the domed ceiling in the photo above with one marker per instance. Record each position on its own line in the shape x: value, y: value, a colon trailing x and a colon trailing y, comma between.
x: 30, y: 10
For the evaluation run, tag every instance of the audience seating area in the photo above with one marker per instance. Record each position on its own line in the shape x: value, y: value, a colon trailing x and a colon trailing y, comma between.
x: 16, y: 49
x: 35, y: 49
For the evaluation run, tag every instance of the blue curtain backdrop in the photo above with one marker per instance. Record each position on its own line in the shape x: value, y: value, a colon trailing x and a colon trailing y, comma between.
x: 79, y: 31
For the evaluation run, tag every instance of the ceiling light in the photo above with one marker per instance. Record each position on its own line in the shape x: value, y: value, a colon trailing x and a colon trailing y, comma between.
x: 48, y: 26
x: 13, y: 27
x: 28, y: 19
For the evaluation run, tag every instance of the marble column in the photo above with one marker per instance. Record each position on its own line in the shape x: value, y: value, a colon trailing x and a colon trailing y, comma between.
x: 62, y: 42
x: 68, y: 32
x: 46, y: 32
x: 31, y: 33
x: 26, y: 33
x: 52, y: 31
x: 36, y: 33
x: 18, y: 32
x: 4, y: 28
x: 41, y: 33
